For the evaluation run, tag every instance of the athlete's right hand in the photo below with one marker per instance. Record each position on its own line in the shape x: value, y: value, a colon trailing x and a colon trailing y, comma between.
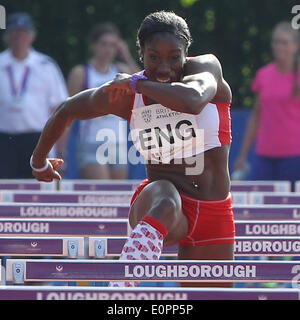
x: 118, y: 87
x: 50, y: 173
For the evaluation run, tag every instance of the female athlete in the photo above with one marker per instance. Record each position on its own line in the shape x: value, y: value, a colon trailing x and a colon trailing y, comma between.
x: 179, y: 114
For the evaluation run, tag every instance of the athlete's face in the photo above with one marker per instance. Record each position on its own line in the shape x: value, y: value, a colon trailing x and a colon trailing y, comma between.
x: 164, y: 56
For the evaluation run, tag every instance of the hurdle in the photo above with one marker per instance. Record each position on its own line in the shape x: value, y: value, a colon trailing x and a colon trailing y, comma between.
x: 26, y: 184
x: 98, y: 185
x: 261, y: 228
x: 52, y: 210
x: 63, y: 227
x: 109, y: 211
x: 24, y: 270
x: 266, y: 212
x: 120, y: 211
x: 243, y: 246
x: 130, y: 185
x: 274, y: 198
x: 137, y: 294
x: 101, y: 247
x: 103, y: 197
x: 120, y: 227
x: 297, y: 186
x: 261, y: 186
x: 86, y: 197
x: 42, y: 246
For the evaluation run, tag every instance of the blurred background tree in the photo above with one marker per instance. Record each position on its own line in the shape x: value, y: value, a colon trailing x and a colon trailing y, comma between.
x: 236, y: 31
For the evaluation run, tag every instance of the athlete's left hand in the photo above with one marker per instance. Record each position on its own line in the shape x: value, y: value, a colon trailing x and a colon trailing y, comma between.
x: 118, y: 87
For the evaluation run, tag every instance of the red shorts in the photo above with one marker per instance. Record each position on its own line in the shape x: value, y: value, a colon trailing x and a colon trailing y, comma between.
x: 209, y: 222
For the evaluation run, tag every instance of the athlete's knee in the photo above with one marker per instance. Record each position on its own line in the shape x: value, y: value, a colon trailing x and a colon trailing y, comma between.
x: 166, y: 210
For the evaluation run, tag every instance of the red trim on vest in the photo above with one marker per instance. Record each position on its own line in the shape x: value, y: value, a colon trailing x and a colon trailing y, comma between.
x: 144, y: 99
x: 225, y: 136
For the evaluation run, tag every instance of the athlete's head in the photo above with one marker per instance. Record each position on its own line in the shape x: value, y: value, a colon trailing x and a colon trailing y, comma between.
x: 163, y: 40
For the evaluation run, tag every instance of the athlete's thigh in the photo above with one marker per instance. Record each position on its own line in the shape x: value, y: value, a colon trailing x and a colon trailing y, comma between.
x: 152, y: 193
x: 208, y: 252
x: 149, y: 197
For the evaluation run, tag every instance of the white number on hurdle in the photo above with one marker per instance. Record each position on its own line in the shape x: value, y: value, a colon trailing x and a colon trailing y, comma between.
x: 296, y: 278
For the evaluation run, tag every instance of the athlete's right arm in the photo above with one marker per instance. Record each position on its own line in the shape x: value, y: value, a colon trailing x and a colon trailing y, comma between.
x: 85, y: 105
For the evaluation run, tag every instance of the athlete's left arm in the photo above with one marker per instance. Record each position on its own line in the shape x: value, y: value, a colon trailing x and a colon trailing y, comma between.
x: 197, y: 66
x: 202, y: 83
x: 198, y: 87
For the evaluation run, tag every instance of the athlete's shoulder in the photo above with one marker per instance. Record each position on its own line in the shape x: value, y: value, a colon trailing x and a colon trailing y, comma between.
x: 204, y: 58
x: 210, y: 63
x: 203, y: 63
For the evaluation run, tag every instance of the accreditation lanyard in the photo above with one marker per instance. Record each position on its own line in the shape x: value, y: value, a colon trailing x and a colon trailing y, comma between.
x: 17, y: 91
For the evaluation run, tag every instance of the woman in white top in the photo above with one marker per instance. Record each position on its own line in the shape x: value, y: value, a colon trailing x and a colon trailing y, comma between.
x: 93, y: 163
x: 31, y: 88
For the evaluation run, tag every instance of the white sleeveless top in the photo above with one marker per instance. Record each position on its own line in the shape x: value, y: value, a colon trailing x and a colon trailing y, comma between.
x: 161, y: 134
x: 108, y: 124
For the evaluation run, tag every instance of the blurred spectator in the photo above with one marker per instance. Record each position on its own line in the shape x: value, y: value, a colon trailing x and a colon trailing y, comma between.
x: 31, y: 87
x: 274, y: 122
x: 106, y: 45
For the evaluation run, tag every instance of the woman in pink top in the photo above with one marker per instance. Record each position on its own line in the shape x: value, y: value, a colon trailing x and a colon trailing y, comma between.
x: 275, y: 119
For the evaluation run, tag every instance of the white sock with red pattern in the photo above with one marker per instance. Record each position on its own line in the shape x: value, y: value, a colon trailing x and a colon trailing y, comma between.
x: 144, y: 243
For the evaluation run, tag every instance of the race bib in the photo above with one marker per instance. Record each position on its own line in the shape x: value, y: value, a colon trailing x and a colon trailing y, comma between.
x: 161, y: 134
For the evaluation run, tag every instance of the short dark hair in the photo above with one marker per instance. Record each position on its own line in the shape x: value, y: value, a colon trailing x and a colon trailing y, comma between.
x: 104, y: 28
x: 163, y: 21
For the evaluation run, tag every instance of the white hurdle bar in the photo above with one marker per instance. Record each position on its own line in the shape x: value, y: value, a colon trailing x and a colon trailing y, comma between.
x: 26, y: 184
x: 85, y: 197
x: 275, y: 198
x: 124, y: 197
x: 137, y: 294
x: 129, y: 185
x: 23, y: 270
